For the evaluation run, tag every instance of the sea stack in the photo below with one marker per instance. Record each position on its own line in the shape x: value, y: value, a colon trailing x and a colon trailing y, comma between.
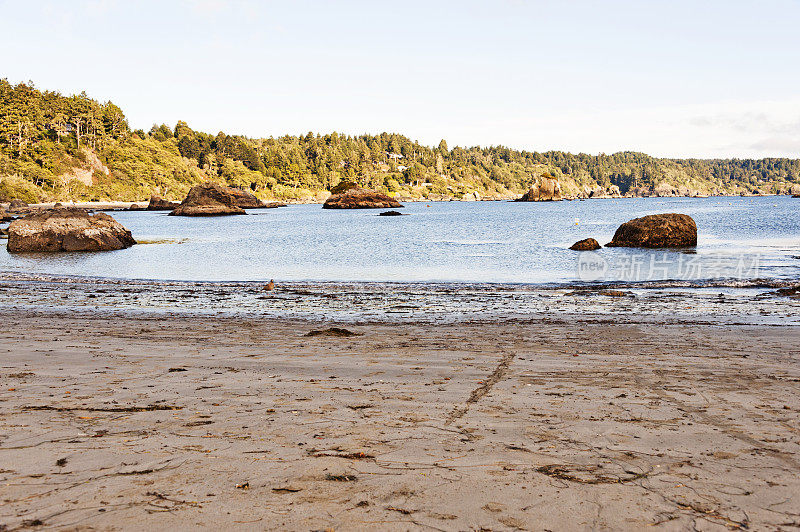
x: 67, y: 230
x: 359, y: 198
x: 587, y: 244
x: 245, y: 200
x: 669, y: 230
x: 547, y: 189
x: 157, y: 203
x: 208, y: 199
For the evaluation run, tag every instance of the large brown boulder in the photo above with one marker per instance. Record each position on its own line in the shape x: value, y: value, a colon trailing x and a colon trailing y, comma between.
x: 547, y: 189
x: 657, y: 231
x: 359, y: 198
x: 208, y: 199
x: 67, y: 230
x: 587, y: 244
x: 157, y: 203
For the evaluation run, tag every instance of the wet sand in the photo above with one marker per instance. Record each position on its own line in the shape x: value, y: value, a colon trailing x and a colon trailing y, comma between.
x: 153, y: 421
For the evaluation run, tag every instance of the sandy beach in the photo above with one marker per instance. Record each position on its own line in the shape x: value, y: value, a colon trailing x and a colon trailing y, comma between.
x: 155, y: 421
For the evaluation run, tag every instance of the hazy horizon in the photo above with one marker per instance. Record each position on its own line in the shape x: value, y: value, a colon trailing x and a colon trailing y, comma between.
x: 672, y: 80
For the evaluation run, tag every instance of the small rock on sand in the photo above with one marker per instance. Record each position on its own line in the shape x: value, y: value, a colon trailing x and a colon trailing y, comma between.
x: 333, y: 331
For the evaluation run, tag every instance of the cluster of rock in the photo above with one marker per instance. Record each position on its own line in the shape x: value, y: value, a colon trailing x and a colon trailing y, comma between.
x: 213, y: 199
x: 244, y: 200
x: 18, y: 207
x: 611, y: 191
x: 359, y: 198
x: 66, y: 229
x: 471, y: 196
x: 208, y: 199
x: 157, y: 203
x: 665, y: 190
x: 74, y: 229
x: 547, y: 189
x: 669, y: 230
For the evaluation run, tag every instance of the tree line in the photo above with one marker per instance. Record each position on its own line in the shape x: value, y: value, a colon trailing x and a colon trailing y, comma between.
x: 45, y: 136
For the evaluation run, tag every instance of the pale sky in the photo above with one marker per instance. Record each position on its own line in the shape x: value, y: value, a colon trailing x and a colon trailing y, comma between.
x: 669, y: 78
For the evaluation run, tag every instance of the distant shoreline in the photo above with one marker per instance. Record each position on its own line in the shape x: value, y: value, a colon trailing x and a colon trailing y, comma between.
x: 126, y: 205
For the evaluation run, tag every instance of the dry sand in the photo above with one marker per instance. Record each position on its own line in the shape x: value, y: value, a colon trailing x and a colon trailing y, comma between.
x: 147, y: 422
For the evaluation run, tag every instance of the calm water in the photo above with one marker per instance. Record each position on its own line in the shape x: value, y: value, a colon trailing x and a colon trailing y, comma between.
x: 739, y: 238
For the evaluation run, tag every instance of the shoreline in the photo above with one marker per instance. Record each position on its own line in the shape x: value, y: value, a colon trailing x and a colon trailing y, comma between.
x: 230, y: 423
x: 126, y: 205
x: 757, y: 302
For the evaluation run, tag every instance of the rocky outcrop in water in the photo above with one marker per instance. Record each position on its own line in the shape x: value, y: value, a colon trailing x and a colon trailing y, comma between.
x: 245, y: 200
x: 359, y: 198
x: 547, y: 189
x: 391, y: 213
x: 587, y: 244
x: 157, y: 203
x: 669, y: 230
x: 67, y: 230
x: 208, y: 199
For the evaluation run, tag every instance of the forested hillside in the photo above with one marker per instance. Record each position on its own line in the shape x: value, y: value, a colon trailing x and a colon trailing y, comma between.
x: 55, y: 147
